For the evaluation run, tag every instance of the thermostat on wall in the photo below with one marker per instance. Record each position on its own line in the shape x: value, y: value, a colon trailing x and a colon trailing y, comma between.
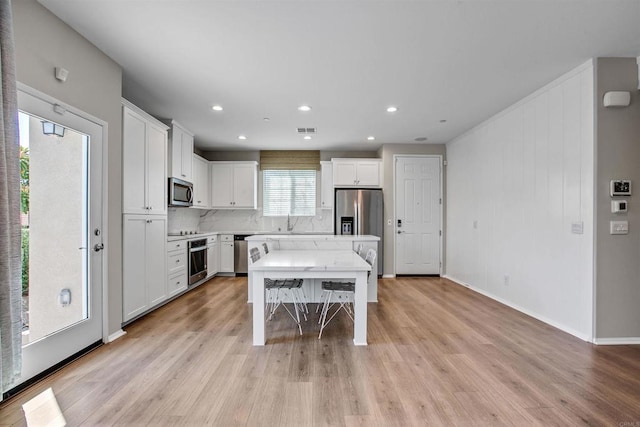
x: 620, y: 187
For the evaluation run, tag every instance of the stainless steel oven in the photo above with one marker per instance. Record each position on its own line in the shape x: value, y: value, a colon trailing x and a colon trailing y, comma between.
x: 197, y: 260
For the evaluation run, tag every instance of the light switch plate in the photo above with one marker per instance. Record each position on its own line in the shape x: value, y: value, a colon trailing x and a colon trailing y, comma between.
x: 577, y: 227
x: 619, y: 206
x: 619, y: 227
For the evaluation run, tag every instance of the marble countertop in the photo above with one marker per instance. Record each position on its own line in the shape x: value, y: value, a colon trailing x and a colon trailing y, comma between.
x: 192, y: 236
x: 323, y: 260
x: 315, y: 236
x: 270, y: 235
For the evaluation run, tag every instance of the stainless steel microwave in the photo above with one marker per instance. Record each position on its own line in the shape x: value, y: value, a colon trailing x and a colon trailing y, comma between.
x: 180, y: 192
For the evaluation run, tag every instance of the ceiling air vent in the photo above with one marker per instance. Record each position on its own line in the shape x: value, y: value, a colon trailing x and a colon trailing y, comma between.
x: 306, y: 130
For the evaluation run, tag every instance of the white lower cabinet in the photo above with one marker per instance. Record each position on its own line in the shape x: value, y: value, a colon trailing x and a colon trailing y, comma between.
x: 213, y: 255
x: 177, y: 280
x: 226, y: 253
x: 144, y: 260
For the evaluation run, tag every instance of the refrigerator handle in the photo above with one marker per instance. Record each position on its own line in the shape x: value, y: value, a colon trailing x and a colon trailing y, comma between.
x: 359, y: 214
x: 356, y: 219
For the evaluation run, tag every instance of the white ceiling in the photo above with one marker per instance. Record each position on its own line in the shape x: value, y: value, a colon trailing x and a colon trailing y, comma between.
x: 462, y: 61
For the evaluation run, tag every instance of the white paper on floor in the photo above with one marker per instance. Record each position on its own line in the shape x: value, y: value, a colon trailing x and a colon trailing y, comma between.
x: 43, y: 411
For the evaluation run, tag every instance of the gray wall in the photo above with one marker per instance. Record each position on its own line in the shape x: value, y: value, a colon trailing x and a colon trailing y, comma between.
x: 232, y: 156
x: 255, y: 155
x: 328, y: 155
x: 617, y: 157
x: 94, y: 85
x: 386, y: 153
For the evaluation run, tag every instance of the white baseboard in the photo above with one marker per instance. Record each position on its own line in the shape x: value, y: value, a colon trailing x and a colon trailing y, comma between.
x: 388, y: 276
x: 537, y: 316
x: 617, y: 341
x: 457, y: 281
x: 114, y: 336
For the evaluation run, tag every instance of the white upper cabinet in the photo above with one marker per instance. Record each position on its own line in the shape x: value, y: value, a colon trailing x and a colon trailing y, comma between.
x: 326, y: 185
x: 181, y: 152
x: 357, y: 172
x: 201, y: 190
x: 144, y: 162
x: 221, y: 184
x: 234, y: 185
x: 245, y: 185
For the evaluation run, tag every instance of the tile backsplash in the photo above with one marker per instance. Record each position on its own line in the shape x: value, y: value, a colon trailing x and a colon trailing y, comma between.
x: 245, y: 220
x: 180, y: 219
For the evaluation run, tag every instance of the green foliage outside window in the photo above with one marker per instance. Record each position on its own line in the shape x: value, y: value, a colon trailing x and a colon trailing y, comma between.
x: 24, y: 179
x: 25, y: 261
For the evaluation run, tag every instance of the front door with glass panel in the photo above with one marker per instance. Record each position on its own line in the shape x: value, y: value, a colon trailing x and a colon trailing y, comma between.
x: 61, y: 209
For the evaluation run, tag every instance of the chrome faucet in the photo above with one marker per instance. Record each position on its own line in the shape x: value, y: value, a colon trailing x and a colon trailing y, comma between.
x: 289, y: 226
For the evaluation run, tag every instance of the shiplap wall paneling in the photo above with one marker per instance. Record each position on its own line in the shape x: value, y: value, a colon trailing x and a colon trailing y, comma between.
x: 517, y: 183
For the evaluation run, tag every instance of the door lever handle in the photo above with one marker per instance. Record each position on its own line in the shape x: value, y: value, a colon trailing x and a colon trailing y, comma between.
x: 98, y: 247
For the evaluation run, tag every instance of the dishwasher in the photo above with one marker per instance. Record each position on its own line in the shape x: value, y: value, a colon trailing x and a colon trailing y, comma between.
x: 240, y: 254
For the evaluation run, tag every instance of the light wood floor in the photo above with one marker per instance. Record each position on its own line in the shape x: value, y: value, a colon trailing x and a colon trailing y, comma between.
x: 438, y: 354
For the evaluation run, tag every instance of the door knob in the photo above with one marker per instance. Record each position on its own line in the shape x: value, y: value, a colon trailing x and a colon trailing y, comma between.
x: 399, y: 231
x: 98, y: 247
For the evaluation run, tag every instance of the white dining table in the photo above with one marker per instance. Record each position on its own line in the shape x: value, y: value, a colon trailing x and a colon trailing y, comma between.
x: 310, y: 264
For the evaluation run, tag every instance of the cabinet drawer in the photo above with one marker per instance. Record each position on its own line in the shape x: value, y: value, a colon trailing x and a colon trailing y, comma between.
x: 177, y: 283
x: 226, y: 237
x: 176, y: 245
x: 176, y: 261
x: 212, y: 239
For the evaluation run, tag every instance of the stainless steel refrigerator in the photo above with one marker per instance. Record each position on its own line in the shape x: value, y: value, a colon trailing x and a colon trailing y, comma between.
x: 360, y: 211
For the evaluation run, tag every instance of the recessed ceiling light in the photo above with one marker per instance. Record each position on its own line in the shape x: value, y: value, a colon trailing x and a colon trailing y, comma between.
x: 307, y: 137
x: 242, y: 137
x: 443, y: 121
x: 371, y: 138
x: 266, y: 119
x: 304, y: 108
x: 421, y: 139
x: 392, y: 109
x: 217, y: 108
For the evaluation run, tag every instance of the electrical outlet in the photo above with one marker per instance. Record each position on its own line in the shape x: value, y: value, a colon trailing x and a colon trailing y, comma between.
x: 618, y: 227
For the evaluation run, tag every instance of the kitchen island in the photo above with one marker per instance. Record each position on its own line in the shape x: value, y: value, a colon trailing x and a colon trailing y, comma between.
x: 320, y: 264
x: 310, y: 242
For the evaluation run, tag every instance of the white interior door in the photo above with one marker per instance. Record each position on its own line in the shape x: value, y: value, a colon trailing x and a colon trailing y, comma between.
x: 418, y: 215
x: 62, y: 233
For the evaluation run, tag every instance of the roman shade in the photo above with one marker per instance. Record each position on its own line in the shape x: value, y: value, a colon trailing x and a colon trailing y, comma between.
x: 290, y: 160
